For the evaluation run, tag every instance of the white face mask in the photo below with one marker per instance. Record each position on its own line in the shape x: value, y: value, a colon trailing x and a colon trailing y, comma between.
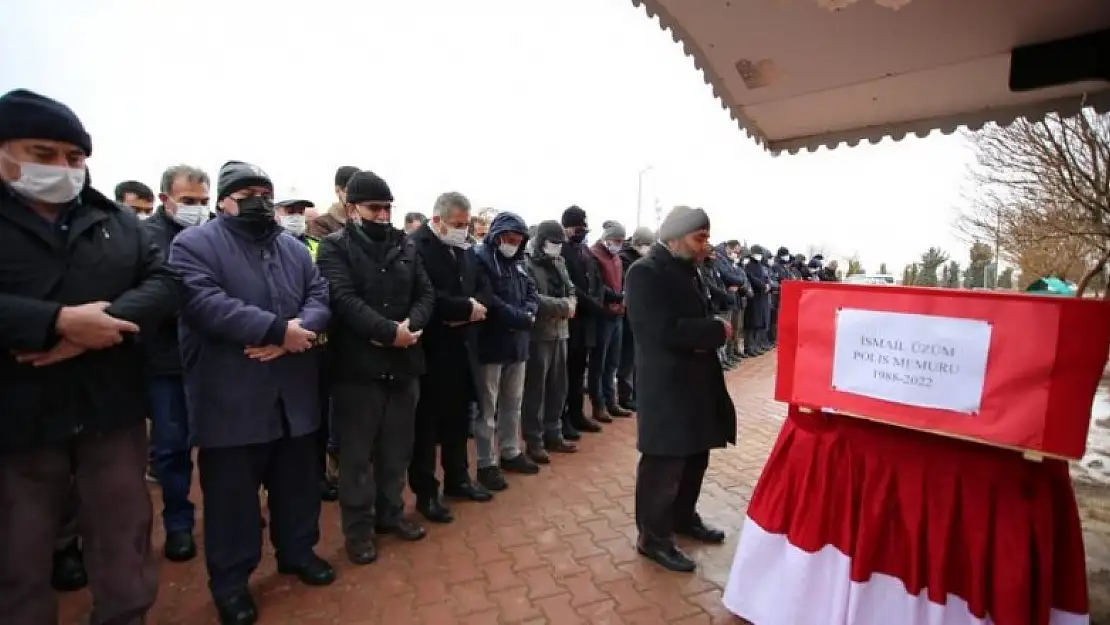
x: 744, y: 262
x: 614, y: 248
x: 508, y: 251
x: 293, y: 224
x: 784, y: 258
x: 455, y: 237
x: 141, y: 216
x: 643, y: 250
x: 52, y: 184
x: 553, y: 249
x: 758, y: 257
x: 188, y: 216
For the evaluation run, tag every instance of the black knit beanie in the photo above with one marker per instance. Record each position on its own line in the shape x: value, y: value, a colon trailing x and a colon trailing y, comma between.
x: 237, y: 175
x: 574, y: 217
x: 27, y: 115
x: 366, y: 186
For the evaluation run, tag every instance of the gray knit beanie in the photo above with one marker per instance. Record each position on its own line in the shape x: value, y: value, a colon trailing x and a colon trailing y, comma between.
x: 642, y: 236
x: 681, y: 221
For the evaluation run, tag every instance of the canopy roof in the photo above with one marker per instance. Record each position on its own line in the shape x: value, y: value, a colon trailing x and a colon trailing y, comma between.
x: 805, y: 73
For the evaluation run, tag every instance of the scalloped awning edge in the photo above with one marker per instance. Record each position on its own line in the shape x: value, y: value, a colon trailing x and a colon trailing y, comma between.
x: 973, y: 120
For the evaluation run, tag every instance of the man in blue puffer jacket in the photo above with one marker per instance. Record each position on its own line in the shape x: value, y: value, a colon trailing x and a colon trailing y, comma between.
x: 503, y: 350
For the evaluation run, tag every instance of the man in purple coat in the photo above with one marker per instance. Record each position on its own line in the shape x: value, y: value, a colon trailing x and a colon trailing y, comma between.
x: 254, y: 304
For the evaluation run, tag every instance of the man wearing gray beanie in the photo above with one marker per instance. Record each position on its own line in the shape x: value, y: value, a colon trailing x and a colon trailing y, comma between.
x: 684, y: 408
x: 605, y: 355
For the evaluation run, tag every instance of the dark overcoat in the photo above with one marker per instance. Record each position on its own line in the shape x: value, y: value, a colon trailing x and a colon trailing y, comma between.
x: 240, y: 291
x: 683, y: 405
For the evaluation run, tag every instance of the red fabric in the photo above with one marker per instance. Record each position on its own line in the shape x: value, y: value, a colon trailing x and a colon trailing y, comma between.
x: 984, y: 524
x: 612, y: 273
x: 1041, y: 376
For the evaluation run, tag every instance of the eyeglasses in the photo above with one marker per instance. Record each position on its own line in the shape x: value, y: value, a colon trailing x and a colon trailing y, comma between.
x: 375, y: 207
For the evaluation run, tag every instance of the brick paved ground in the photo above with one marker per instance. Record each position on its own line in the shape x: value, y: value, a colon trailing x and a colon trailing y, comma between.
x: 556, y: 548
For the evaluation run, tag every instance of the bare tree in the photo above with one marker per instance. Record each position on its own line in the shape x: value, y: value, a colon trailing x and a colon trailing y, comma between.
x: 1043, y: 195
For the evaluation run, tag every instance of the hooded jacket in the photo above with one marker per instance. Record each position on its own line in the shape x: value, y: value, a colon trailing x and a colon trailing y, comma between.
x: 503, y: 337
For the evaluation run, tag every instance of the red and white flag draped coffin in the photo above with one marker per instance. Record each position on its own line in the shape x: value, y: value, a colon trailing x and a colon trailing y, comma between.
x: 1005, y: 369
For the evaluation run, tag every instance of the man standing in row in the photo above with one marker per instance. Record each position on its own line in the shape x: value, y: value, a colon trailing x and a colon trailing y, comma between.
x: 184, y: 193
x: 254, y: 304
x: 503, y: 351
x: 332, y: 221
x: 79, y: 277
x: 635, y: 248
x: 606, y: 353
x: 382, y: 301
x: 588, y: 289
x: 545, y: 376
x: 443, y: 413
x: 685, y: 409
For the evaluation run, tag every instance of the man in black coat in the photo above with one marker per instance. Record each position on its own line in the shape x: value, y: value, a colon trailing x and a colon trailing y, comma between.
x: 758, y: 311
x: 381, y: 302
x: 79, y: 276
x: 185, y: 197
x: 684, y: 408
x: 443, y: 412
x: 584, y: 272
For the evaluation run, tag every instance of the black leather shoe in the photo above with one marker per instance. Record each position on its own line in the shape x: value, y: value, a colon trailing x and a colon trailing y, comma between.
x: 179, y: 547
x: 628, y: 404
x: 601, y: 415
x: 520, y: 463
x: 362, y: 553
x: 587, y: 425
x: 329, y: 491
x: 668, y: 557
x: 538, y: 454
x: 492, y: 478
x: 237, y: 609
x: 559, y: 446
x: 701, y: 532
x: 571, y: 434
x: 315, y: 572
x: 467, y: 490
x: 618, y: 412
x: 433, y: 509
x: 404, y: 529
x: 69, y: 569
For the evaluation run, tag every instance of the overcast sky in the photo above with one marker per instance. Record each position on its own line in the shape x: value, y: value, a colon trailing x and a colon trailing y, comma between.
x: 524, y: 105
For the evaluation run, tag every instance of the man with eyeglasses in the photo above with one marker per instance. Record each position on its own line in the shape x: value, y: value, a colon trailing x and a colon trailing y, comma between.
x: 184, y: 194
x: 253, y: 306
x: 382, y: 300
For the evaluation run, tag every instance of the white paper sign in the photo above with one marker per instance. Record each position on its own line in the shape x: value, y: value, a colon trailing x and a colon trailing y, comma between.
x: 919, y: 360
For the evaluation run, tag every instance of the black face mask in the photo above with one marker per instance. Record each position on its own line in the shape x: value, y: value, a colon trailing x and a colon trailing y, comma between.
x: 577, y: 237
x: 375, y: 230
x: 256, y: 209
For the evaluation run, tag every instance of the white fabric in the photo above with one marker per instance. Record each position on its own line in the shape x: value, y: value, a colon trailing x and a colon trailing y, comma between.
x: 775, y: 583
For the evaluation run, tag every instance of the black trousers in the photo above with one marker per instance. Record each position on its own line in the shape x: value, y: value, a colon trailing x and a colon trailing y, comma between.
x: 323, y: 435
x: 626, y: 370
x: 443, y: 419
x: 375, y: 425
x: 230, y: 478
x: 667, y: 490
x: 577, y: 357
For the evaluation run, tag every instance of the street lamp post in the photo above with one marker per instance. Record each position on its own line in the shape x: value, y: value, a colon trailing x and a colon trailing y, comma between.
x: 640, y: 192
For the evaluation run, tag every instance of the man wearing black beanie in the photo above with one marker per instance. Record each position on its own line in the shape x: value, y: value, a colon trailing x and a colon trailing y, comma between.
x: 79, y: 276
x: 254, y: 306
x: 585, y: 273
x: 382, y: 300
